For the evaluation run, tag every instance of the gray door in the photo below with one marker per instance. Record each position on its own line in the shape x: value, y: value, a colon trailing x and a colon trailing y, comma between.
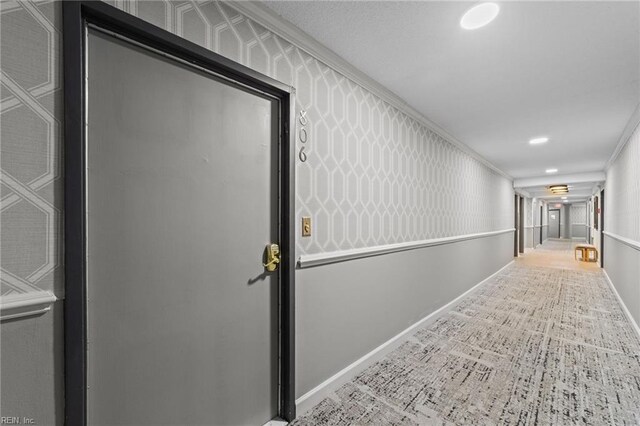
x: 182, y: 194
x: 554, y: 223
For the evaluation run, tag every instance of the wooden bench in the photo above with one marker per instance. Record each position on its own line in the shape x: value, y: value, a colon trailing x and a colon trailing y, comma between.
x: 588, y: 253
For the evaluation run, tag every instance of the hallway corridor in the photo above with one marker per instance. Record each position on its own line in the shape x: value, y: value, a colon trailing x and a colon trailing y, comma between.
x: 534, y: 345
x: 556, y: 253
x: 258, y: 213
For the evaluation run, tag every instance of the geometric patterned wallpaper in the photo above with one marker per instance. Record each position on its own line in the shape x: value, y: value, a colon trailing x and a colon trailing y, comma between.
x: 373, y: 175
x: 529, y: 231
x: 30, y: 138
x: 622, y: 191
x: 578, y: 213
x: 528, y: 212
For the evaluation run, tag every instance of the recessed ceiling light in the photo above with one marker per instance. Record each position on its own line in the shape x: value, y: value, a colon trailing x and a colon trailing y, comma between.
x: 479, y: 16
x: 536, y: 141
x: 564, y: 198
x: 565, y: 201
x: 551, y: 171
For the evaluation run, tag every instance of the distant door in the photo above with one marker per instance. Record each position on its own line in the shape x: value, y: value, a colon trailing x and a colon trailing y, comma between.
x: 182, y: 184
x: 588, y: 216
x: 516, y: 226
x: 541, y: 210
x: 554, y: 223
x: 521, y: 225
x: 602, y: 228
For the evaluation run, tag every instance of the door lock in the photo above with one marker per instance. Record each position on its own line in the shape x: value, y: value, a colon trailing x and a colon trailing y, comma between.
x: 273, y: 257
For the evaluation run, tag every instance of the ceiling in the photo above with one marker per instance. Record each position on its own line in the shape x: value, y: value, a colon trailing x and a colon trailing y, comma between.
x: 578, y: 192
x: 566, y: 70
x: 580, y: 187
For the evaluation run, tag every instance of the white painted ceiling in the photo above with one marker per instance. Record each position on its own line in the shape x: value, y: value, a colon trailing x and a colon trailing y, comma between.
x: 566, y: 70
x: 577, y: 193
x: 580, y: 188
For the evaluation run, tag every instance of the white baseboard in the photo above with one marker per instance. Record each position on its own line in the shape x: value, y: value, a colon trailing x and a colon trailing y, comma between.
x: 317, y: 394
x: 624, y: 307
x: 276, y: 423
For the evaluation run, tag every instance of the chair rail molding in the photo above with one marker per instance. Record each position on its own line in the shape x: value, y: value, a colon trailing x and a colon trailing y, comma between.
x: 623, y: 240
x: 311, y: 260
x: 25, y: 304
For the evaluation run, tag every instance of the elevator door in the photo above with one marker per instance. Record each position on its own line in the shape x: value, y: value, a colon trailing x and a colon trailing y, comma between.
x: 554, y: 223
x: 182, y: 189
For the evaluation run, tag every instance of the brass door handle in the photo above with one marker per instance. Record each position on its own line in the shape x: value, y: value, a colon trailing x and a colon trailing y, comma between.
x: 273, y: 257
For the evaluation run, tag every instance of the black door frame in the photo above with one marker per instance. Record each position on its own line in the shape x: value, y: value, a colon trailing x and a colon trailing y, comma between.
x: 541, y: 213
x: 589, y: 226
x: 601, y: 215
x: 77, y: 15
x: 516, y: 226
x: 521, y: 223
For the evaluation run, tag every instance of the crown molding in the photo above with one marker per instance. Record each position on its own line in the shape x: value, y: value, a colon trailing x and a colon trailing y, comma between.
x: 565, y: 179
x: 632, y: 125
x: 276, y: 24
x: 596, y: 189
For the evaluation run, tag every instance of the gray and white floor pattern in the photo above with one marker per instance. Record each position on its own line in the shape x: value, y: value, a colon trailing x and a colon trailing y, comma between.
x: 535, y: 345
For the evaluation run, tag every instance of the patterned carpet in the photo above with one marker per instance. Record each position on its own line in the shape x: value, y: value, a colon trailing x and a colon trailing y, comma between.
x: 535, y: 345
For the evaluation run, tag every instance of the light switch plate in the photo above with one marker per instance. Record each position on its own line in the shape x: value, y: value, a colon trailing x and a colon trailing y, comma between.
x: 306, y: 226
